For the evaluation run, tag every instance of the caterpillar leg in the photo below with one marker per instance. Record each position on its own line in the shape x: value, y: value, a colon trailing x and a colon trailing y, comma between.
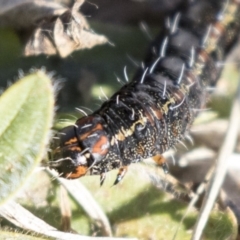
x: 161, y: 161
x: 121, y: 173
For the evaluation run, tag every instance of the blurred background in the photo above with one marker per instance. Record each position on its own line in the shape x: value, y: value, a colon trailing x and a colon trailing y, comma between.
x: 84, y: 71
x: 135, y: 208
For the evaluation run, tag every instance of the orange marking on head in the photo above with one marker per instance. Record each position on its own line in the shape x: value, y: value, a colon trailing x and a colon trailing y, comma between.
x: 79, y: 172
x: 84, y: 136
x: 71, y: 141
x: 96, y: 128
x: 97, y: 148
x: 75, y: 148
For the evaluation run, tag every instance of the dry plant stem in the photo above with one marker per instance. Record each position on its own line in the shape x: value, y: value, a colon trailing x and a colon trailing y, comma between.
x: 195, y: 198
x: 21, y: 217
x: 221, y: 168
x: 86, y: 201
x: 65, y: 210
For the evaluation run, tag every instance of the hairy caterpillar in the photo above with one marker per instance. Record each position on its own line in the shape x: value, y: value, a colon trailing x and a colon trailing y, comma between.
x: 152, y: 113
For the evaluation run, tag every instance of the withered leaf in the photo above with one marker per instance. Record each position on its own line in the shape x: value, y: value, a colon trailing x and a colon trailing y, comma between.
x: 63, y: 34
x: 25, y: 14
x: 39, y: 44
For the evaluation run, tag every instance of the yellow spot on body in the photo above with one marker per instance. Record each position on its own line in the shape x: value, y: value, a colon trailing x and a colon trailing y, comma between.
x: 123, y: 133
x: 198, y: 69
x: 112, y: 141
x: 165, y: 106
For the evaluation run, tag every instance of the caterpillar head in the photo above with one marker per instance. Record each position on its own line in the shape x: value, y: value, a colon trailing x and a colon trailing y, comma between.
x: 77, y: 148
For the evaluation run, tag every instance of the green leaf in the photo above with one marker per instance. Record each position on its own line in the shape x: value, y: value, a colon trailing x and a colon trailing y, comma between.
x: 26, y: 110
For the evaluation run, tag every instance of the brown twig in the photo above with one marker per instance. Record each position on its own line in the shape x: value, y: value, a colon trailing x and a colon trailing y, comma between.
x: 65, y: 208
x: 83, y: 197
x: 21, y: 217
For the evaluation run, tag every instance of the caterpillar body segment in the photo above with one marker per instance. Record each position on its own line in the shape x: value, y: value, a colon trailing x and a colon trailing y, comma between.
x: 155, y: 110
